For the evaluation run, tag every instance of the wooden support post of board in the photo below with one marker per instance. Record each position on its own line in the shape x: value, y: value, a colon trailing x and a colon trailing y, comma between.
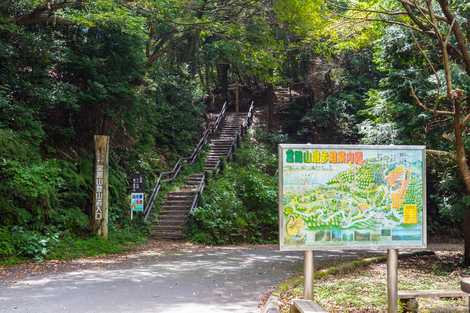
x: 392, y: 280
x: 308, y: 275
x: 100, y: 192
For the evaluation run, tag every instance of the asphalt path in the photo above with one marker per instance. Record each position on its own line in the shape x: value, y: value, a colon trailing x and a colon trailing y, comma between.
x: 225, y: 280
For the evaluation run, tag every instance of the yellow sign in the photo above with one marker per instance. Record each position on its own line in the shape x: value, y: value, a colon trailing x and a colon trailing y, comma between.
x: 410, y: 214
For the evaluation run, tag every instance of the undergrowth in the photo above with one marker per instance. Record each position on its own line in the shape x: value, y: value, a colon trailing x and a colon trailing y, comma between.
x: 239, y: 205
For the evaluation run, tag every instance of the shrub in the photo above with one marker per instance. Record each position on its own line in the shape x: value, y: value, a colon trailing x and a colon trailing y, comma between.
x: 71, y: 219
x: 240, y: 205
x: 32, y: 244
x: 7, y: 247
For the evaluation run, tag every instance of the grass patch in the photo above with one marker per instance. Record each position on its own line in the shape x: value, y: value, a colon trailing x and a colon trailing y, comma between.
x: 118, y: 242
x: 11, y: 260
x: 360, y: 286
x: 69, y: 247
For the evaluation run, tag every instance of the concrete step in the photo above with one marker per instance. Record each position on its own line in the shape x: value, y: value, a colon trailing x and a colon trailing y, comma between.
x: 221, y: 147
x: 179, y: 193
x: 172, y: 207
x: 172, y: 218
x: 161, y: 227
x: 215, y: 148
x: 170, y: 236
x: 175, y: 228
x: 193, y: 182
x: 219, y: 151
x: 174, y: 222
x: 197, y: 179
x: 189, y: 188
x: 177, y: 201
x: 197, y: 175
x: 182, y: 196
x: 170, y: 232
x: 173, y: 215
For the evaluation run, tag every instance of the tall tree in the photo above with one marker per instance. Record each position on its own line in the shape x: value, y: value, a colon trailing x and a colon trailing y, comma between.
x: 441, y: 24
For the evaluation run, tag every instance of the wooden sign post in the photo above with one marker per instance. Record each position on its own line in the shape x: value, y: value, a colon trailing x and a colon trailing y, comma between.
x: 235, y: 87
x: 100, y: 193
x: 237, y: 96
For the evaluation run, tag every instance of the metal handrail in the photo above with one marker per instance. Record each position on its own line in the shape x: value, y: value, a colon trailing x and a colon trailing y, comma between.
x: 220, y: 118
x: 199, y: 189
x: 240, y: 133
x: 171, y: 175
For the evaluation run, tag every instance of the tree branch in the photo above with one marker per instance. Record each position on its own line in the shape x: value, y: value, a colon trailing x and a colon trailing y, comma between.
x: 43, y: 13
x: 426, y: 108
x: 440, y: 153
x: 459, y: 36
x: 367, y: 19
x: 429, y: 62
x: 466, y: 119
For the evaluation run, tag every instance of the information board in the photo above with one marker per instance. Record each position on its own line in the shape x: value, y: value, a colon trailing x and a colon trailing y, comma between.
x: 352, y: 197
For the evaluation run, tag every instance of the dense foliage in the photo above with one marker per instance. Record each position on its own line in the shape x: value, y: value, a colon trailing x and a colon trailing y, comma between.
x: 393, y: 72
x: 60, y: 84
x: 388, y: 72
x: 133, y: 70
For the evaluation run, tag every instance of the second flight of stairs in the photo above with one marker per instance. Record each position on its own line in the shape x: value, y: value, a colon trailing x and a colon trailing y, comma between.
x: 177, y: 205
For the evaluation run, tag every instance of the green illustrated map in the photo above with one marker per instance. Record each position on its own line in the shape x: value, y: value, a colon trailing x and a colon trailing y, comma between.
x: 352, y: 198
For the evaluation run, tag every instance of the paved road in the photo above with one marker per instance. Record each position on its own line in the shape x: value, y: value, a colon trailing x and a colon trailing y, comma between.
x: 225, y: 280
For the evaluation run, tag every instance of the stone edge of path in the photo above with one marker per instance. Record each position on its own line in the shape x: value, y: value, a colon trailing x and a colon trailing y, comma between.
x: 272, y: 305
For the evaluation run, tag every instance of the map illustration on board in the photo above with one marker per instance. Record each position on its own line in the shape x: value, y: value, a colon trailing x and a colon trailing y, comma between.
x: 349, y: 197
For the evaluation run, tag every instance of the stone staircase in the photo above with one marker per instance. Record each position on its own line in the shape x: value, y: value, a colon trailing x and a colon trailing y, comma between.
x: 177, y: 205
x: 221, y: 146
x: 282, y: 96
x: 175, y: 209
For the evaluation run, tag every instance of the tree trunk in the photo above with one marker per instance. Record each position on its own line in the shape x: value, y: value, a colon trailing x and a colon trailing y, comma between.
x: 465, y: 174
x: 466, y: 234
x: 270, y: 98
x: 459, y: 34
x: 222, y: 78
